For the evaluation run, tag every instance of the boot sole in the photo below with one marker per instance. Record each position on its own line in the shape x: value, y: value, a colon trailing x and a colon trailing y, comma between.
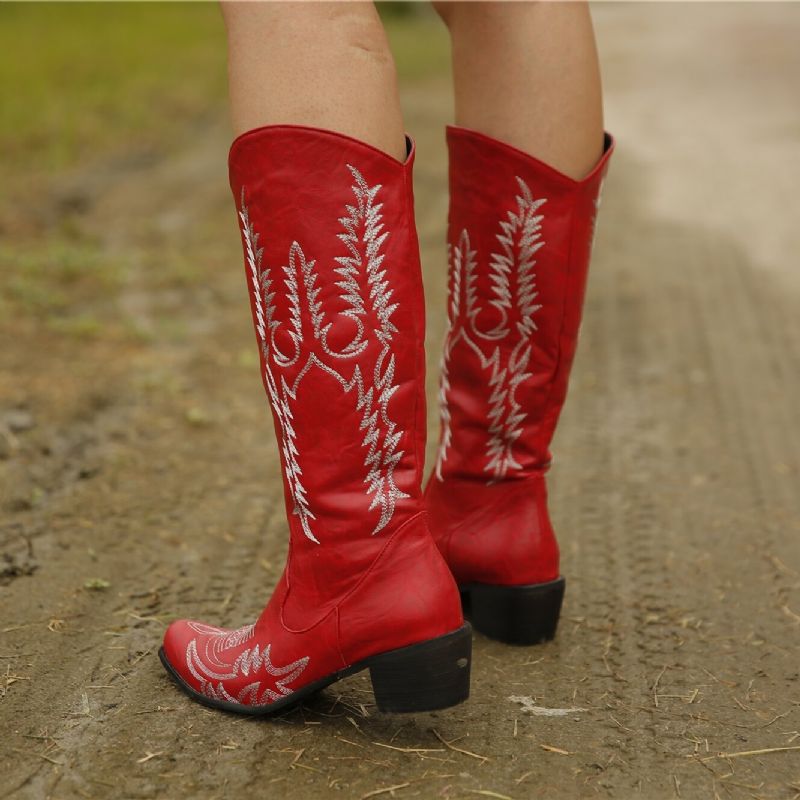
x: 426, y: 676
x: 521, y: 615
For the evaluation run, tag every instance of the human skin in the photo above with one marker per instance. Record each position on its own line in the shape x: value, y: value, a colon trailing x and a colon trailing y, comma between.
x: 527, y: 73
x: 320, y: 64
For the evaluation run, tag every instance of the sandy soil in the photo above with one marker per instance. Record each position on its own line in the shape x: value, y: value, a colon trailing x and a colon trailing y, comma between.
x: 138, y: 476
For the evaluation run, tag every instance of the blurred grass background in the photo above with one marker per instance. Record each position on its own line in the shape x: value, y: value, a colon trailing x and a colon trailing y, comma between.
x: 78, y: 78
x: 83, y: 84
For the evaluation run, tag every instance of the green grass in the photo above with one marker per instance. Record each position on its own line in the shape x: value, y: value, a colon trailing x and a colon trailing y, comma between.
x: 78, y: 79
x: 80, y: 82
x: 420, y: 44
x: 43, y: 278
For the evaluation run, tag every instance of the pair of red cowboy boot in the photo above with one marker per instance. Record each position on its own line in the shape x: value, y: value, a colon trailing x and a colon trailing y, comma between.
x: 332, y: 263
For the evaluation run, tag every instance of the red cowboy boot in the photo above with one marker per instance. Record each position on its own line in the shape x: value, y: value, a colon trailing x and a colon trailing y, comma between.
x: 332, y: 263
x: 520, y: 236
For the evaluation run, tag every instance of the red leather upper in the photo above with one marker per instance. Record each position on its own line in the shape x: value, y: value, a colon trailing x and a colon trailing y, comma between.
x: 332, y: 264
x: 520, y: 236
x: 337, y: 284
x: 407, y: 595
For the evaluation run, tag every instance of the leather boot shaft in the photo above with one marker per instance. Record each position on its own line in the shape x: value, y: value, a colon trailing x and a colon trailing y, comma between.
x: 519, y: 239
x: 520, y: 236
x: 332, y: 264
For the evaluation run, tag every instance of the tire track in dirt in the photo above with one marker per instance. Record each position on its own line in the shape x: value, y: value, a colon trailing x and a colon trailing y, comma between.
x: 754, y: 518
x: 583, y: 492
x: 667, y: 368
x: 618, y: 542
x: 642, y: 523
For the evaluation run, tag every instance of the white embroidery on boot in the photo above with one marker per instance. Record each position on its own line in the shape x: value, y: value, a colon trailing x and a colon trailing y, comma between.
x: 461, y: 258
x: 261, y: 285
x: 513, y: 294
x: 214, y: 667
x: 366, y: 294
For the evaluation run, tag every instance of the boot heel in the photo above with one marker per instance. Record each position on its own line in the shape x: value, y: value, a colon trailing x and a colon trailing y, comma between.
x: 425, y: 676
x: 515, y: 614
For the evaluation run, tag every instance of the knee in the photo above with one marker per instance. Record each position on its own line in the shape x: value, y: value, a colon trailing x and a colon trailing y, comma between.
x: 357, y: 29
x: 331, y: 30
x: 362, y: 35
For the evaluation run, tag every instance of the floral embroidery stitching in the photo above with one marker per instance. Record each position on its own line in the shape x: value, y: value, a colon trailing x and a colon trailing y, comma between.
x: 513, y: 296
x: 212, y: 668
x: 367, y: 295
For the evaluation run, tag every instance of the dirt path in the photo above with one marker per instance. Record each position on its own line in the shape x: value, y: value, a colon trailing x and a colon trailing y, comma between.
x: 146, y: 462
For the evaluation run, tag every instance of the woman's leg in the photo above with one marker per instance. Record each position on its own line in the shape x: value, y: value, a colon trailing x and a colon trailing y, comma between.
x: 526, y: 73
x: 323, y: 65
x: 520, y: 236
x: 332, y: 264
